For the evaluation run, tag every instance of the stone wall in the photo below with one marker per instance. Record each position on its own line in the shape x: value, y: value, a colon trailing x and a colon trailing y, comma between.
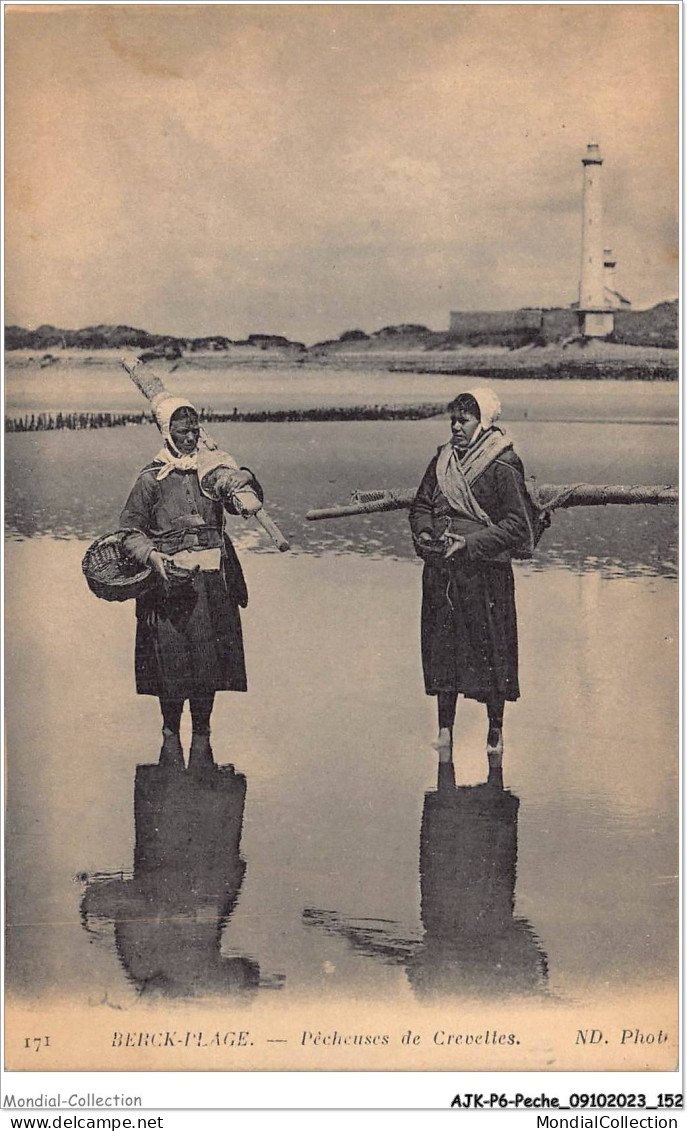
x: 467, y: 322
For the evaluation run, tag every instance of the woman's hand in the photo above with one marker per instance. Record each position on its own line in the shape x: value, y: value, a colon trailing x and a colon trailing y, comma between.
x: 437, y: 550
x: 158, y: 562
x: 238, y: 479
x: 454, y: 542
x: 427, y: 547
x: 170, y: 573
x: 244, y: 496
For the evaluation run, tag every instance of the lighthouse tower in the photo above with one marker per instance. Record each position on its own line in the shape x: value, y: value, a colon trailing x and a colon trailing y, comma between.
x: 613, y: 297
x: 610, y: 290
x: 596, y: 320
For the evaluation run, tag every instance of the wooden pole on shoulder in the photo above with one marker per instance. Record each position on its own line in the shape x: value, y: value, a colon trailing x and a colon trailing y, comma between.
x: 217, y: 480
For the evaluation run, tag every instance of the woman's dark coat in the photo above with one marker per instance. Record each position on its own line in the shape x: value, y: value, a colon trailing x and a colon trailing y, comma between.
x: 469, y: 632
x: 188, y: 640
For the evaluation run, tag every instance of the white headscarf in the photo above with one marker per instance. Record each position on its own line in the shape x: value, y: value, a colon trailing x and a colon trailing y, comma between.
x: 455, y: 475
x: 489, y: 406
x: 164, y: 406
x: 206, y: 456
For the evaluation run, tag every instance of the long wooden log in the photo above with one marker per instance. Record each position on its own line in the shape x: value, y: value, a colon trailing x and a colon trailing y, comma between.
x: 551, y: 496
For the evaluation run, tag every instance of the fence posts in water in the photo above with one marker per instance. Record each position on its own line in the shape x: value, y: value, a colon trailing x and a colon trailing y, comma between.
x: 76, y: 421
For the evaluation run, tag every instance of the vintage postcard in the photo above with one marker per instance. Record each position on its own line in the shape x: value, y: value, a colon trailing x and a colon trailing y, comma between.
x: 341, y: 562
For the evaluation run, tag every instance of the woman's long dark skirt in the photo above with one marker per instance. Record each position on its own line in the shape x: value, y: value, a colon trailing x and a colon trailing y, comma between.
x: 189, y: 644
x: 469, y: 632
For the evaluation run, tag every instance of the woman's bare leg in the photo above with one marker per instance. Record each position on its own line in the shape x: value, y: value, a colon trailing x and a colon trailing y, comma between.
x: 446, y: 707
x: 200, y: 756
x: 172, y: 710
x: 495, y: 712
x: 171, y: 754
x: 495, y: 736
x: 201, y: 710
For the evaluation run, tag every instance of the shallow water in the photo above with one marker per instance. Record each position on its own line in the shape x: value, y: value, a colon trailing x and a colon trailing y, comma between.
x: 75, y: 483
x: 349, y: 871
x: 335, y: 721
x: 103, y: 386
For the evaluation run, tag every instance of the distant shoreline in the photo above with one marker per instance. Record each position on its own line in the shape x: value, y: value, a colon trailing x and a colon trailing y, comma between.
x: 606, y: 361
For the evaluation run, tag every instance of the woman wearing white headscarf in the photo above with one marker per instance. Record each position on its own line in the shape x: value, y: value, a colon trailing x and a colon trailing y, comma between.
x: 471, y: 514
x: 188, y: 635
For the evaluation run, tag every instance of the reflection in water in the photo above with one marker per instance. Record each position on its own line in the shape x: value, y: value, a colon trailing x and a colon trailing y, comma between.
x: 169, y: 918
x: 604, y: 782
x: 473, y: 945
x: 468, y: 856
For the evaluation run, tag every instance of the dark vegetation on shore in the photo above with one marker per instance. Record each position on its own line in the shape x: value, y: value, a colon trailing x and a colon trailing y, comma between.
x: 655, y: 327
x: 576, y: 369
x: 84, y: 421
x: 128, y: 337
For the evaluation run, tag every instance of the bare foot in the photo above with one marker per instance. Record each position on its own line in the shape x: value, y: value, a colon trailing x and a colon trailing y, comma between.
x: 495, y: 747
x: 444, y: 739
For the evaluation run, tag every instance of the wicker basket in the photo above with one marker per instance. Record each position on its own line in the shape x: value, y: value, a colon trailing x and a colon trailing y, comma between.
x: 111, y: 571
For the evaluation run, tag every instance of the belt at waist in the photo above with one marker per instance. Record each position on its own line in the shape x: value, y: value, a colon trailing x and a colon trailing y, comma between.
x: 201, y: 538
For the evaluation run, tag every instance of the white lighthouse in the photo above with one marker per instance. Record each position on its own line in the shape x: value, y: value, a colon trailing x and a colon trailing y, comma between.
x: 613, y: 298
x: 596, y: 320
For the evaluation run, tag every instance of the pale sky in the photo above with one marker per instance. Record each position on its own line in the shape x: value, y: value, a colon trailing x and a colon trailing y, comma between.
x: 304, y: 170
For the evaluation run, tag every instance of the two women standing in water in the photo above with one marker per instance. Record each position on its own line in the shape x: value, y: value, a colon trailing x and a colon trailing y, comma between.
x: 471, y: 514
